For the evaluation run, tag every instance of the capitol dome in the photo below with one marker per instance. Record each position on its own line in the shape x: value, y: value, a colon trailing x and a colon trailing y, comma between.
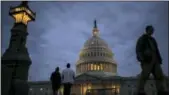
x: 96, y: 56
x: 96, y: 42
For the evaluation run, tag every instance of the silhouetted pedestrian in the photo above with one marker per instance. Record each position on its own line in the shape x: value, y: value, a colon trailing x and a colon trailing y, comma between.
x: 68, y: 77
x: 56, y: 81
x: 148, y: 54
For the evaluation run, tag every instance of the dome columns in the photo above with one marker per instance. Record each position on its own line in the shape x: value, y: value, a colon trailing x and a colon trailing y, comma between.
x: 96, y: 66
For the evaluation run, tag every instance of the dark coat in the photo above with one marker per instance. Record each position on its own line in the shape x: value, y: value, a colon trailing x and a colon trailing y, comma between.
x: 55, y: 80
x: 143, y: 45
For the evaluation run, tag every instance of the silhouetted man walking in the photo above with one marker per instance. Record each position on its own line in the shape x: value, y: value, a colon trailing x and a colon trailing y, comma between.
x: 148, y: 54
x: 68, y: 77
x: 56, y: 81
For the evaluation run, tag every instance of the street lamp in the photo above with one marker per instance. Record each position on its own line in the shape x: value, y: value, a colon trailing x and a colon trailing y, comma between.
x: 16, y: 60
x: 22, y: 13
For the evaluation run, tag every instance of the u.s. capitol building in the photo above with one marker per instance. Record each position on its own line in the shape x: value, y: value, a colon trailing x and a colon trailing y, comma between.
x: 96, y: 73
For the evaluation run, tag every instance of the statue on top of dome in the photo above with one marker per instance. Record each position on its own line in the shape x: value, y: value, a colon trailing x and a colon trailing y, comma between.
x: 95, y: 24
x: 95, y: 30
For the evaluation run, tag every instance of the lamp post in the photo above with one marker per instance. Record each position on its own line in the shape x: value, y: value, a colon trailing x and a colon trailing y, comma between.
x: 16, y: 61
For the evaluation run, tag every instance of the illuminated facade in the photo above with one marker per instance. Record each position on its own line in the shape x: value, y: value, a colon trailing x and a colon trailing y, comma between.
x: 95, y: 61
x: 88, y: 83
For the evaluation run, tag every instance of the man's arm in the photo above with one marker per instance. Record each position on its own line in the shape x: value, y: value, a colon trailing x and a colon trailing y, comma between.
x: 157, y: 50
x: 60, y: 79
x: 51, y: 77
x: 139, y: 49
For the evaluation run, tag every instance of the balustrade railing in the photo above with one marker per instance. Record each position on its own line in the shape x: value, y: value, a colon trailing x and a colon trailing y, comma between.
x: 107, y: 91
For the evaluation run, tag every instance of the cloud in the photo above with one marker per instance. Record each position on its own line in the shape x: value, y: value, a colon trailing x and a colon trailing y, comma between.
x: 61, y: 29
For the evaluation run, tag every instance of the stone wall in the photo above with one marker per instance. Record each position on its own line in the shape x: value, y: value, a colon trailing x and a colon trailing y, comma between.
x: 126, y: 87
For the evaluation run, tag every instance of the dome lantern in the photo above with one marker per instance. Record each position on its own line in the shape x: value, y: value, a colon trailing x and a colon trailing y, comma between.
x: 22, y: 13
x: 95, y: 30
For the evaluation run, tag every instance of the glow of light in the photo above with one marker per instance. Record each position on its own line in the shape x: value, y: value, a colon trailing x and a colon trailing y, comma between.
x: 84, y: 89
x: 98, y: 67
x: 61, y: 89
x: 118, y: 90
x: 91, y: 66
x: 101, y: 65
x: 41, y: 89
x: 95, y: 67
x: 89, y: 86
x: 21, y: 15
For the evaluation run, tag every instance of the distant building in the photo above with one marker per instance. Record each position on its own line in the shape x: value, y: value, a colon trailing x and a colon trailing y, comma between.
x: 96, y: 72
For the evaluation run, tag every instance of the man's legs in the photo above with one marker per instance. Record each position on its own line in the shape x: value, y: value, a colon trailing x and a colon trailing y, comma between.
x: 53, y: 92
x: 56, y: 92
x: 53, y: 88
x: 57, y: 89
x: 66, y: 89
x: 69, y: 88
x: 146, y: 70
x: 159, y: 78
